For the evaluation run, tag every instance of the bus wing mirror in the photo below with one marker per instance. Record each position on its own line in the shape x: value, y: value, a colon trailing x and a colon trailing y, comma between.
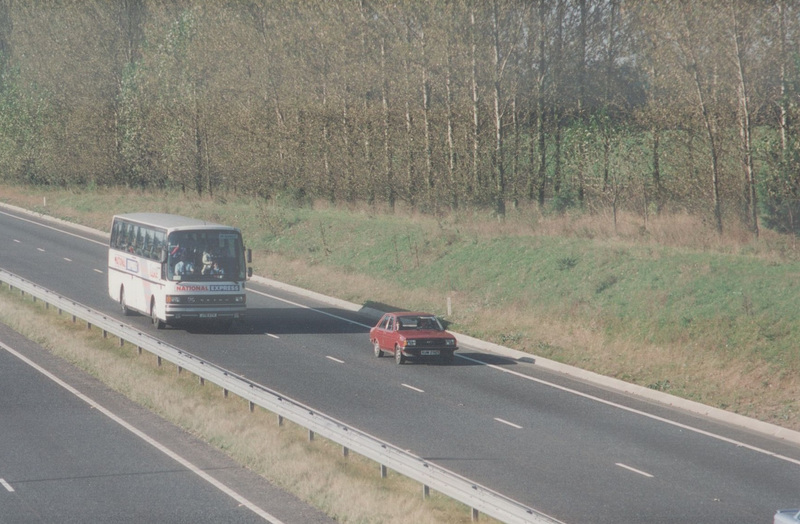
x: 249, y: 272
x: 249, y: 255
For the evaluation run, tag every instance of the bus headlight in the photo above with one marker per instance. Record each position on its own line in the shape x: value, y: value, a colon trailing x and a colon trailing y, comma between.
x: 173, y: 299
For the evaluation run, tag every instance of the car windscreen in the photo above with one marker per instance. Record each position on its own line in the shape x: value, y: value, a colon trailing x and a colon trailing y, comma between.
x: 420, y: 323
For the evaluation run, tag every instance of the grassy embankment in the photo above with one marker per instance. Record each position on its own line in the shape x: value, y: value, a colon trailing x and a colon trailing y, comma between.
x: 673, y: 307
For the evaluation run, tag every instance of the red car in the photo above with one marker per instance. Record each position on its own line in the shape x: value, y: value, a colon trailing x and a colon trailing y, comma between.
x: 408, y: 334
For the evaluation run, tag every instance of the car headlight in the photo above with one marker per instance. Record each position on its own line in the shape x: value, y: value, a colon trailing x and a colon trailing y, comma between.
x: 450, y: 342
x: 411, y: 342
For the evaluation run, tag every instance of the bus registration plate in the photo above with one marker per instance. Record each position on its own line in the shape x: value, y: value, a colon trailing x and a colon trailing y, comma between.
x: 208, y: 315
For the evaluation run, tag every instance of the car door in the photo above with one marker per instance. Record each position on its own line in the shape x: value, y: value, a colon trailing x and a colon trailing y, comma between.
x: 384, y: 331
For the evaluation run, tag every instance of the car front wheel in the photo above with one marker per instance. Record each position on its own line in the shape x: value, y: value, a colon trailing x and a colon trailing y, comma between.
x: 399, y: 358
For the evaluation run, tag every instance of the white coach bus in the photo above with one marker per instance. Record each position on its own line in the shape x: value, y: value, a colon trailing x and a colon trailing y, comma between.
x: 174, y: 269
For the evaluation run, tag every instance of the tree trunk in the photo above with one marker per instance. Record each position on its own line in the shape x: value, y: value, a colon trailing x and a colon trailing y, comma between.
x: 499, y: 168
x: 745, y: 130
x: 387, y: 157
x: 476, y: 180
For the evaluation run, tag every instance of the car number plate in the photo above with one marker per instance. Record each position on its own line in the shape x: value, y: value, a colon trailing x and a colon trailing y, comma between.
x: 208, y: 315
x: 429, y: 352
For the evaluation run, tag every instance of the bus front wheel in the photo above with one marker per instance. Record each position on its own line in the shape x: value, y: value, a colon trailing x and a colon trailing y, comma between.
x: 157, y: 322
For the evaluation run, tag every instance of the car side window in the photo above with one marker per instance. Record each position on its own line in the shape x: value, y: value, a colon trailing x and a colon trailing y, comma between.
x: 387, y: 325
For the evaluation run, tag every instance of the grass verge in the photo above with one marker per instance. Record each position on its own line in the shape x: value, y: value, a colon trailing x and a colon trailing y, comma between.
x: 669, y: 304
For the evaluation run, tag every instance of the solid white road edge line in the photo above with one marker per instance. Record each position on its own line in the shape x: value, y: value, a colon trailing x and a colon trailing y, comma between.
x: 303, y: 306
x: 174, y: 456
x: 639, y: 412
x: 507, y: 423
x: 642, y: 473
x: 51, y: 227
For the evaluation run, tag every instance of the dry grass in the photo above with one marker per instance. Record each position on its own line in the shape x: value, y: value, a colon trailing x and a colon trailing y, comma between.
x: 347, y: 489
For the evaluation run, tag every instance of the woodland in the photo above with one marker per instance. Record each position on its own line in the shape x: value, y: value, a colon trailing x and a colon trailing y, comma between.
x: 646, y: 107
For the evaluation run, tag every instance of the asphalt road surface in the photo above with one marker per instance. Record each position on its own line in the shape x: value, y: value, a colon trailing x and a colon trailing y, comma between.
x: 73, y: 451
x: 570, y: 449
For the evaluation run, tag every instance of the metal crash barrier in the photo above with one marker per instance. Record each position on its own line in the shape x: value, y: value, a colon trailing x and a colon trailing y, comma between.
x: 479, y: 498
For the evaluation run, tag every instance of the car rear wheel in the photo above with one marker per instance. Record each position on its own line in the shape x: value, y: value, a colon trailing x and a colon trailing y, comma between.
x: 399, y: 358
x: 376, y: 349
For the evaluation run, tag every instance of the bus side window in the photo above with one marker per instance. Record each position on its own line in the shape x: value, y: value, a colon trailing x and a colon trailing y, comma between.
x: 158, y: 244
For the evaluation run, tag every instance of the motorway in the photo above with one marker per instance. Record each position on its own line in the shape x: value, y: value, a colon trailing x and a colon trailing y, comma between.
x: 72, y: 450
x: 573, y: 450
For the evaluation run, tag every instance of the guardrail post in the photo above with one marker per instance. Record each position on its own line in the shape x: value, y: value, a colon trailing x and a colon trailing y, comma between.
x: 179, y: 370
x: 159, y: 360
x: 384, y: 471
x: 202, y: 381
x: 345, y: 451
x: 426, y: 491
x: 105, y: 334
x: 475, y: 515
x: 310, y: 436
x: 121, y: 341
x: 280, y: 420
x: 88, y: 326
x: 224, y: 393
x: 252, y: 406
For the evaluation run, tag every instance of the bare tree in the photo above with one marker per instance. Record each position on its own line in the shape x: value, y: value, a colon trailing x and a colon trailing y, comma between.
x: 745, y: 125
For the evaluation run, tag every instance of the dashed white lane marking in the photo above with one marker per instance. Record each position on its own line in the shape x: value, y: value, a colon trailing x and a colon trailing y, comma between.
x: 638, y: 471
x: 273, y: 336
x: 412, y: 388
x: 6, y: 485
x: 98, y: 271
x: 17, y: 241
x: 507, y: 423
x: 335, y: 359
x: 569, y: 390
x: 40, y: 250
x: 147, y: 438
x: 67, y: 259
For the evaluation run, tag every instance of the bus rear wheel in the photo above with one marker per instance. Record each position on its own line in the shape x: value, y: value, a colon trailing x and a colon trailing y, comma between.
x: 125, y: 309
